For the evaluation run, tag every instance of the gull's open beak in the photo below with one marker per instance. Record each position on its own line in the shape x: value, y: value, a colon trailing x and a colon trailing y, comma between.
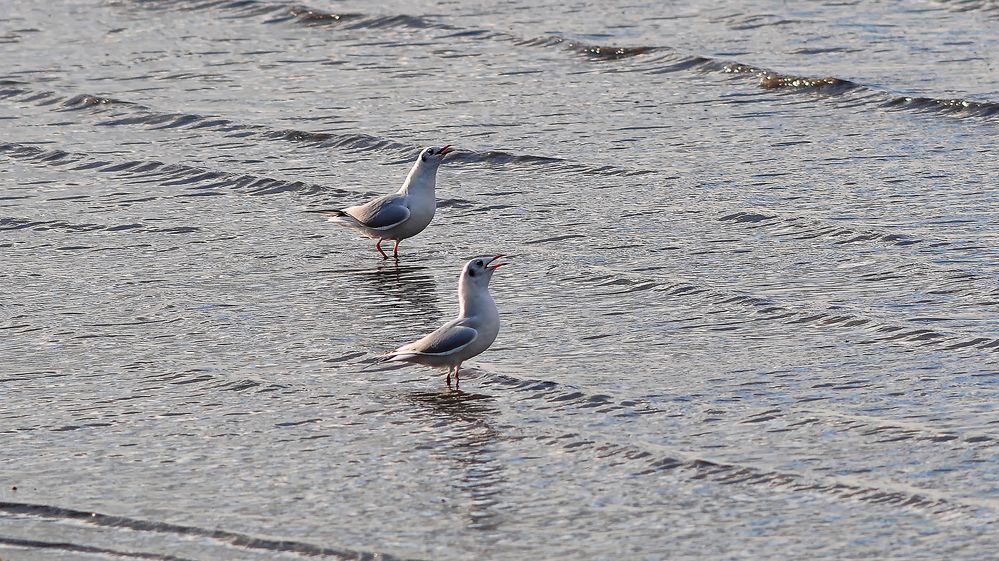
x: 493, y: 265
x: 446, y: 150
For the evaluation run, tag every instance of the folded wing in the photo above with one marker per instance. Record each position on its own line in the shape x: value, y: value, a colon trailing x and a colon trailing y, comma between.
x: 448, y: 339
x: 381, y: 213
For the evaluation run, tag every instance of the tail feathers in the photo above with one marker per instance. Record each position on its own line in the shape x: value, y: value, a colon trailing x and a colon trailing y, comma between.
x: 381, y: 359
x: 332, y: 214
x: 394, y: 356
x: 341, y: 217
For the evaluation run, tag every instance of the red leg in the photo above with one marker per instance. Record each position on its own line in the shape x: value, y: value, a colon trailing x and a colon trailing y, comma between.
x: 457, y: 378
x: 395, y: 252
x: 378, y: 246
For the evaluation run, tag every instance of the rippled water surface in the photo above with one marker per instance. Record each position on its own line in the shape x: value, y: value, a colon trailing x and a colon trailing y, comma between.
x: 752, y: 312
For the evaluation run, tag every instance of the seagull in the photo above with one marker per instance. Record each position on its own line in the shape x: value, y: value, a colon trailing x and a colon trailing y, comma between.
x: 467, y: 335
x: 400, y: 215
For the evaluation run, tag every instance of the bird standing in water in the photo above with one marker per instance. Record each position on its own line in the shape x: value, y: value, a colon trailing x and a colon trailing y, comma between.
x: 466, y: 336
x: 403, y: 214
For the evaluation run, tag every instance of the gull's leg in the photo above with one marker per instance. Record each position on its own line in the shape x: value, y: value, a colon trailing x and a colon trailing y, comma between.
x: 395, y: 251
x: 449, y: 377
x: 457, y: 379
x: 378, y: 246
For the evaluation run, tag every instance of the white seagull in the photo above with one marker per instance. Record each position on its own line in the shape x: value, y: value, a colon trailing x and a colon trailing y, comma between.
x: 467, y: 335
x: 403, y: 214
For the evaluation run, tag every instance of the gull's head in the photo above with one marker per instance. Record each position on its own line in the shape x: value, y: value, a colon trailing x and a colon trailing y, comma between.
x: 478, y: 271
x: 435, y: 155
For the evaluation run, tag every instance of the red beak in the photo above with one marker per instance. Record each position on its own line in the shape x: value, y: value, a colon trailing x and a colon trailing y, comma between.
x: 446, y: 150
x: 490, y: 265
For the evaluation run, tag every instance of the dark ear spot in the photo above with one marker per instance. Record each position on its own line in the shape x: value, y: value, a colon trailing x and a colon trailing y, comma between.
x: 424, y: 156
x: 471, y: 272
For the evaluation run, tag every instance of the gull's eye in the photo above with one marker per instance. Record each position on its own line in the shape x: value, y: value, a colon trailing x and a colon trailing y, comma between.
x: 478, y: 263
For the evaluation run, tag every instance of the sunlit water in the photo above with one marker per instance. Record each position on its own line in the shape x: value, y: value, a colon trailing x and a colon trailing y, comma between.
x: 752, y: 312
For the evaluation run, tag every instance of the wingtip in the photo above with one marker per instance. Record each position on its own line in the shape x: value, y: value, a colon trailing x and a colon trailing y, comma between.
x: 378, y: 360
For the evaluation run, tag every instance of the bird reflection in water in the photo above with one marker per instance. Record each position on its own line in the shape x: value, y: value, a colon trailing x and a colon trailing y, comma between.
x: 468, y: 442
x: 391, y: 282
x: 456, y: 404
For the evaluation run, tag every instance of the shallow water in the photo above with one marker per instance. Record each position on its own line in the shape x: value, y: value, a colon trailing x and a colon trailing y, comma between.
x: 752, y: 312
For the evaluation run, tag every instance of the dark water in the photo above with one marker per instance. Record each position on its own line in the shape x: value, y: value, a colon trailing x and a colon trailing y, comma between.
x: 753, y: 311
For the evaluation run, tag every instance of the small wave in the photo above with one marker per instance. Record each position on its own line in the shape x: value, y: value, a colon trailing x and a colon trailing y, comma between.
x: 309, y: 16
x: 596, y: 52
x: 155, y: 172
x: 277, y: 12
x: 960, y: 107
x: 744, y: 22
x: 83, y: 101
x: 567, y: 398
x: 988, y: 7
x: 768, y: 310
x: 357, y: 141
x: 807, y: 229
x: 675, y: 60
x: 87, y: 549
x: 649, y: 460
x: 496, y: 157
x: 234, y: 539
x: 394, y: 21
x: 772, y: 80
x: 133, y: 114
x: 832, y: 86
x: 977, y: 285
x: 672, y: 60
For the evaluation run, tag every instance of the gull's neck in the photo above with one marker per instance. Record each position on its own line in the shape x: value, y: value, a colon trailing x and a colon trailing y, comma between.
x: 475, y: 300
x: 422, y: 179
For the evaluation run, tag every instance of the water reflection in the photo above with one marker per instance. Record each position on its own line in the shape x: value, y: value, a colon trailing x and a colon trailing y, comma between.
x: 469, y: 444
x: 457, y: 404
x: 391, y: 281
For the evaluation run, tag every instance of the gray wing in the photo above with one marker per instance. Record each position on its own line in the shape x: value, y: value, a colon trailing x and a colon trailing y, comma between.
x: 449, y: 338
x: 381, y: 213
